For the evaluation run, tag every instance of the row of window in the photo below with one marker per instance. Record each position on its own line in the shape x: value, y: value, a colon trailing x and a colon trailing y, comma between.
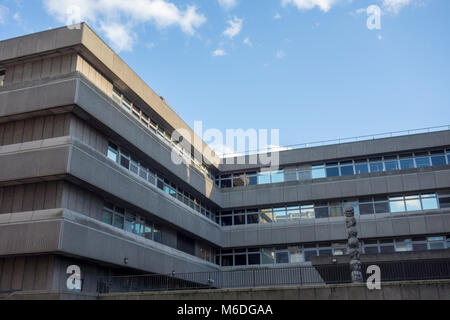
x: 304, y: 253
x: 328, y: 209
x: 2, y: 77
x: 123, y: 219
x: 130, y: 163
x: 335, y: 169
x: 157, y: 130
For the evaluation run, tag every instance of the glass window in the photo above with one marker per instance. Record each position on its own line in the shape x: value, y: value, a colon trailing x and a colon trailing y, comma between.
x: 240, y: 260
x: 290, y: 174
x: 134, y: 166
x: 361, y: 166
x: 278, y: 176
x: 325, y: 252
x: 376, y: 165
x: 143, y: 172
x: 307, y: 211
x: 295, y: 255
x: 124, y: 159
x: 406, y: 161
x: 318, y: 171
x: 321, y: 212
x: 448, y: 156
x: 332, y: 169
x: 309, y: 254
x: 336, y: 209
x: 413, y: 203
x: 422, y: 160
x: 436, y: 243
x: 107, y: 217
x: 252, y: 218
x: 390, y: 163
x: 366, y: 208
x: 387, y: 248
x: 282, y: 257
x: 437, y: 158
x: 347, y: 168
x: 227, y: 261
x: 254, y: 258
x: 113, y: 152
x: 239, y: 219
x: 225, y: 183
x: 118, y: 221
x: 381, y: 205
x: 2, y: 77
x: 264, y: 178
x: 279, y: 214
x: 293, y: 213
x: 116, y: 96
x: 227, y: 220
x: 429, y: 202
x: 402, y: 245
x: 371, y: 250
x: 157, y: 235
x: 252, y: 178
x: 126, y: 104
x: 266, y: 216
x: 238, y: 180
x: 129, y: 223
x: 268, y: 256
x: 397, y: 204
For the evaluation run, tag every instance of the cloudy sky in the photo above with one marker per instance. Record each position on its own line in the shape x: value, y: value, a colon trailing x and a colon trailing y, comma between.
x: 310, y: 68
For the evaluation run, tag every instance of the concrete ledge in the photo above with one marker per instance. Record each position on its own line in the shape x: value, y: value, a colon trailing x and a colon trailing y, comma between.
x: 410, y: 290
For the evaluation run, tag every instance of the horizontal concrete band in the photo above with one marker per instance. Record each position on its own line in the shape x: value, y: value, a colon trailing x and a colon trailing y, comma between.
x: 67, y: 232
x: 96, y: 170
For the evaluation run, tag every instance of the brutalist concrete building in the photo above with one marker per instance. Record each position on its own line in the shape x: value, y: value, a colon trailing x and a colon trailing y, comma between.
x: 86, y: 179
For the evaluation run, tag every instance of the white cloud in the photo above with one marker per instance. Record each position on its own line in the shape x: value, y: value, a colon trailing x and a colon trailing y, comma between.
x: 4, y: 11
x: 380, y: 37
x: 248, y: 42
x: 160, y: 13
x: 234, y: 27
x: 280, y: 54
x: 394, y: 6
x: 119, y: 36
x: 277, y: 16
x: 219, y: 53
x: 227, y: 4
x: 324, y: 5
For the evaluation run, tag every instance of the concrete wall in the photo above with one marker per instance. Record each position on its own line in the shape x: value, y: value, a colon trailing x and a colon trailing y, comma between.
x: 411, y: 290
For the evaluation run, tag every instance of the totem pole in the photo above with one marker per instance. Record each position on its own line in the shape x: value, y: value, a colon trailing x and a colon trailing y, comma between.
x: 353, y: 245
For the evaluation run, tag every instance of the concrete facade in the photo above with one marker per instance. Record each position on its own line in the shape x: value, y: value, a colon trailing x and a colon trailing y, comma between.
x: 58, y: 118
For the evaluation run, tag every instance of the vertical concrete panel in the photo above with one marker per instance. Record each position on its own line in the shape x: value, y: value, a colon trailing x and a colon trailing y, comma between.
x: 67, y: 121
x: 18, y: 198
x: 59, y: 194
x: 8, y: 135
x: 46, y: 67
x: 86, y: 203
x: 40, y: 279
x: 27, y: 70
x: 48, y: 127
x: 28, y: 197
x: 50, y: 195
x: 38, y: 128
x: 39, y: 196
x: 58, y: 129
x: 18, y: 73
x: 66, y: 63
x: 29, y: 273
x: 9, y: 75
x: 18, y: 131
x: 2, y: 130
x: 28, y: 130
x: 7, y: 274
x: 19, y: 268
x: 7, y: 201
x: 36, y: 70
x: 56, y: 66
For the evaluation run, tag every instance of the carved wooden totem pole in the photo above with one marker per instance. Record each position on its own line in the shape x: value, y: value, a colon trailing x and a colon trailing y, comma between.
x: 353, y: 245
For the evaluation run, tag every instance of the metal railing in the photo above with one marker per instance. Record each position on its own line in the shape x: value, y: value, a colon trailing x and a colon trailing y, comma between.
x: 339, y: 141
x: 273, y: 277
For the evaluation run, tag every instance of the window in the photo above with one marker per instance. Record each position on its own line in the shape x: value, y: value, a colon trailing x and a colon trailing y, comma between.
x: 266, y: 216
x: 264, y: 178
x: 238, y: 180
x: 134, y: 166
x: 307, y: 211
x: 240, y: 258
x: 444, y: 200
x: 419, y: 244
x: 117, y: 96
x: 406, y: 161
x: 282, y: 256
x: 381, y: 205
x: 126, y: 104
x: 290, y: 174
x: 309, y: 253
x: 402, y: 245
x: 252, y: 216
x: 318, y: 171
x: 227, y: 261
x: 227, y: 219
x: 413, y: 203
x: 278, y: 176
x: 107, y: 217
x: 293, y: 213
x: 366, y: 206
x: 225, y: 181
x: 252, y: 178
x: 429, y: 202
x: 295, y: 254
x: 239, y: 217
x: 2, y: 77
x: 397, y: 204
x: 448, y: 156
x: 336, y: 209
x: 347, y: 168
x: 387, y: 246
x: 124, y: 159
x: 279, y: 214
x: 339, y: 249
x: 422, y: 160
x: 376, y: 165
x: 436, y: 243
x: 391, y: 163
x: 268, y: 256
x: 321, y: 210
x: 361, y: 166
x: 112, y: 152
x: 332, y: 169
x: 437, y: 158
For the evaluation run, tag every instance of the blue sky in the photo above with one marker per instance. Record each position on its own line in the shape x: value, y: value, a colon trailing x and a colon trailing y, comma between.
x: 310, y: 68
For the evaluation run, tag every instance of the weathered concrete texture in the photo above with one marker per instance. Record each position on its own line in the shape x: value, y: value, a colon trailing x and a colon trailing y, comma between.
x: 411, y: 290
